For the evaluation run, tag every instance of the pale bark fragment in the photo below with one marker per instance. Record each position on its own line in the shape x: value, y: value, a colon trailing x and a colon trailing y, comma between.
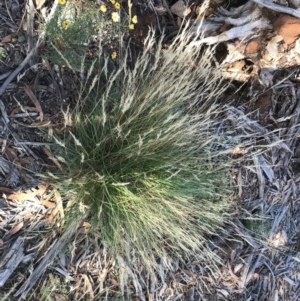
x: 11, y: 261
x: 278, y: 8
x: 242, y: 32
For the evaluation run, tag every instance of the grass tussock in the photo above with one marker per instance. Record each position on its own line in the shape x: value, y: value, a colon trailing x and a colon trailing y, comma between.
x: 139, y: 155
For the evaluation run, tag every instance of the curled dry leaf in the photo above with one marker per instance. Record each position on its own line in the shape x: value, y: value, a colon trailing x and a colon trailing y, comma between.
x: 16, y: 228
x: 6, y: 190
x: 180, y: 9
x: 53, y: 213
x: 10, y: 154
x: 52, y: 158
x: 34, y: 100
x: 26, y: 160
x: 26, y: 108
x: 59, y: 203
x: 28, y: 216
x: 47, y: 204
x: 6, y: 39
x: 27, y: 195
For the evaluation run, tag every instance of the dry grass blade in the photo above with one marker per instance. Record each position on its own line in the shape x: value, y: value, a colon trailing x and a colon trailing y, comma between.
x: 16, y: 228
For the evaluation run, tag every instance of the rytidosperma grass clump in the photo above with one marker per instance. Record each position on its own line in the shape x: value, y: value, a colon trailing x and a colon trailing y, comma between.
x: 139, y: 155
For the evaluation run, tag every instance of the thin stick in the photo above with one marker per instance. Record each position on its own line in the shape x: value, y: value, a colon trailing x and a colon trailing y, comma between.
x: 11, y: 77
x: 5, y: 75
x: 18, y: 69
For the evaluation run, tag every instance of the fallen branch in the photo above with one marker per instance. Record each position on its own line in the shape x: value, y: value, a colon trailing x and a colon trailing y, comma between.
x: 241, y: 32
x: 278, y: 8
x: 18, y: 69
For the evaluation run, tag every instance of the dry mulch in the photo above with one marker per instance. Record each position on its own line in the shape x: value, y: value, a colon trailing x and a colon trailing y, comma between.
x: 259, y: 260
